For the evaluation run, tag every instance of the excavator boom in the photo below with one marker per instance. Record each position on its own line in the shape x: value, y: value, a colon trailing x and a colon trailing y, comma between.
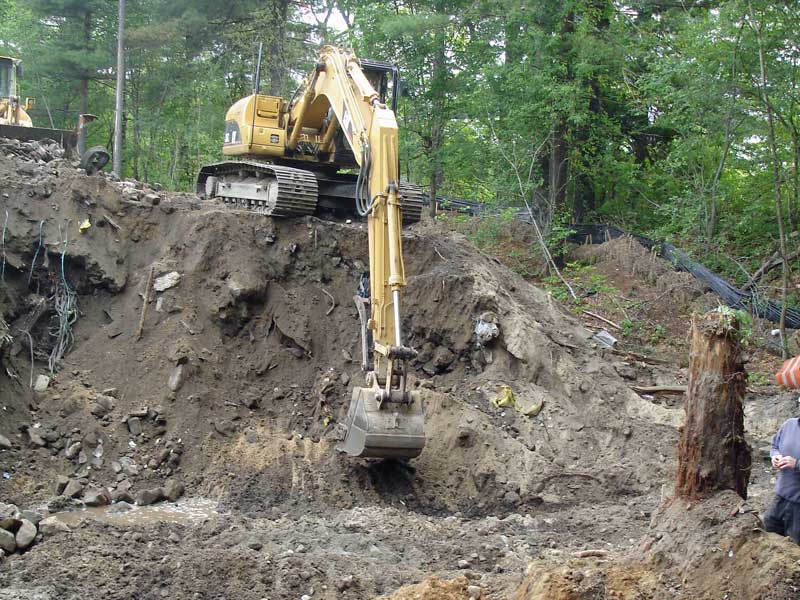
x: 286, y: 161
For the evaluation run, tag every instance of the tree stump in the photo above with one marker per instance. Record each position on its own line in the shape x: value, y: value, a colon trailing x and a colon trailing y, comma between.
x: 712, y: 451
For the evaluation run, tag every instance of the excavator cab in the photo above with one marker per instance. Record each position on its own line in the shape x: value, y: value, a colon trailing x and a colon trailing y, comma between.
x: 383, y: 77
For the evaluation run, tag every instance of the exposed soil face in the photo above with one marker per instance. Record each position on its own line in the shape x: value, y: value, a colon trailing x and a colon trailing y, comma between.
x: 248, y: 352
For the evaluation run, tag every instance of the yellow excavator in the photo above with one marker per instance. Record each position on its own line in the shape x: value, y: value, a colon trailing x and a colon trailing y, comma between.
x: 291, y: 159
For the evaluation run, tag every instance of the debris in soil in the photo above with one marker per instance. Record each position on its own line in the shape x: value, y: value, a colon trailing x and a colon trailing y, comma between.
x: 437, y: 589
x: 235, y: 388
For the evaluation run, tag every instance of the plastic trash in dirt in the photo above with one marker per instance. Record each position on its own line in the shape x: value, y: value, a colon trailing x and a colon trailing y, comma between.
x: 604, y: 338
x: 507, y: 399
x: 486, y: 331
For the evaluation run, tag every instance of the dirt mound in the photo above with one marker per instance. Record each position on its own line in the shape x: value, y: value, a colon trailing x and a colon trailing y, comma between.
x: 436, y: 589
x: 245, y: 363
x: 636, y: 260
x: 710, y: 549
x: 248, y: 349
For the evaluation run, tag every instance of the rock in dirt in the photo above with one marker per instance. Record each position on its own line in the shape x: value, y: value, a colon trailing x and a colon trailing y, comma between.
x: 474, y: 592
x: 120, y: 507
x: 9, y: 515
x: 165, y: 282
x: 33, y: 516
x: 26, y: 534
x: 41, y: 384
x: 5, y: 443
x: 443, y: 357
x: 96, y: 497
x: 122, y: 496
x: 102, y: 406
x: 135, y: 426
x: 73, y: 489
x: 8, y: 542
x: 72, y: 450
x: 36, y: 439
x: 177, y: 378
x: 173, y: 490
x: 52, y: 525
x: 147, y: 497
x: 345, y: 583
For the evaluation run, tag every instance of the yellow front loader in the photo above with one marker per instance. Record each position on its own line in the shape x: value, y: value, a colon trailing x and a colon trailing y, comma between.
x: 289, y: 159
x: 15, y: 122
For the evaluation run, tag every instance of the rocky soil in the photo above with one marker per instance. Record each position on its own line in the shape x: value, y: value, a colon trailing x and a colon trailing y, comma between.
x: 202, y: 358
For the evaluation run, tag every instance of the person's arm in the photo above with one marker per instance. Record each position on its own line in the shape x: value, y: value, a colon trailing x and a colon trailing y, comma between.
x: 774, y: 450
x: 776, y: 443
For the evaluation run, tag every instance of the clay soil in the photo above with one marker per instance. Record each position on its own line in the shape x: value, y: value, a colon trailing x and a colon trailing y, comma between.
x: 241, y: 376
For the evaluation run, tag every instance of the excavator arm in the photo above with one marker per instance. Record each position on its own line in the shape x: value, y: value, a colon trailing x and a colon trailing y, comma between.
x: 384, y: 418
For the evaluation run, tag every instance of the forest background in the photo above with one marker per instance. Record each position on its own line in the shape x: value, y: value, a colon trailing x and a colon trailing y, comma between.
x: 674, y: 119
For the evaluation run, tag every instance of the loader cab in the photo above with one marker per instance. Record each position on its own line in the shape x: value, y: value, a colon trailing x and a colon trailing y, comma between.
x: 7, y: 77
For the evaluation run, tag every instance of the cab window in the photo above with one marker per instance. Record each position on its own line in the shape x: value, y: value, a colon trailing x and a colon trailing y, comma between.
x: 5, y: 77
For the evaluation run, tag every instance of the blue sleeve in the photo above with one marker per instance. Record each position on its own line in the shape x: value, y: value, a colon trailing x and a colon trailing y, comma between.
x: 776, y: 442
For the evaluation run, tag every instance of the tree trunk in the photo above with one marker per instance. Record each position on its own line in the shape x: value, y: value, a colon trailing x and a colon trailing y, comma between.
x: 793, y: 208
x: 559, y: 147
x: 277, y: 47
x: 439, y: 78
x: 712, y: 452
x: 776, y: 182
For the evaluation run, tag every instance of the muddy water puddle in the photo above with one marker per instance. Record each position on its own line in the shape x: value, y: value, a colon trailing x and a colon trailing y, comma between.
x: 188, y: 511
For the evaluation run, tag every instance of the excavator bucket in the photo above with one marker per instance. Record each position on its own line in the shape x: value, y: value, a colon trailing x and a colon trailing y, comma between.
x: 393, y: 430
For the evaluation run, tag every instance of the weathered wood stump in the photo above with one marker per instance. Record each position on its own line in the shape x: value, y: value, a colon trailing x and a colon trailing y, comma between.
x: 712, y: 451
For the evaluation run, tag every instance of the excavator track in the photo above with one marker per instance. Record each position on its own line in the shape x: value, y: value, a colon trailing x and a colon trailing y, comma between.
x: 413, y: 203
x: 267, y: 189
x: 282, y: 191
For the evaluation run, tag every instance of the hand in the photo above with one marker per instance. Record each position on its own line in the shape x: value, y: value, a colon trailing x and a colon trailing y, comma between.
x: 787, y: 462
x: 775, y: 460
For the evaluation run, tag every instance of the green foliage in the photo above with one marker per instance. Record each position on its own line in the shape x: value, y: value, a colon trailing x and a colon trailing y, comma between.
x: 760, y: 378
x: 648, y: 115
x: 631, y: 327
x: 657, y: 334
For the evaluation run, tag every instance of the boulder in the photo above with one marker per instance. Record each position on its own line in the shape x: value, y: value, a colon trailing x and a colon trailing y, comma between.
x: 96, y: 497
x: 26, y: 534
x: 73, y: 489
x: 9, y: 515
x: 8, y: 542
x: 5, y: 443
x: 102, y: 405
x: 173, y: 490
x: 52, y: 525
x: 33, y: 516
x: 442, y: 358
x: 147, y: 497
x: 121, y: 496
